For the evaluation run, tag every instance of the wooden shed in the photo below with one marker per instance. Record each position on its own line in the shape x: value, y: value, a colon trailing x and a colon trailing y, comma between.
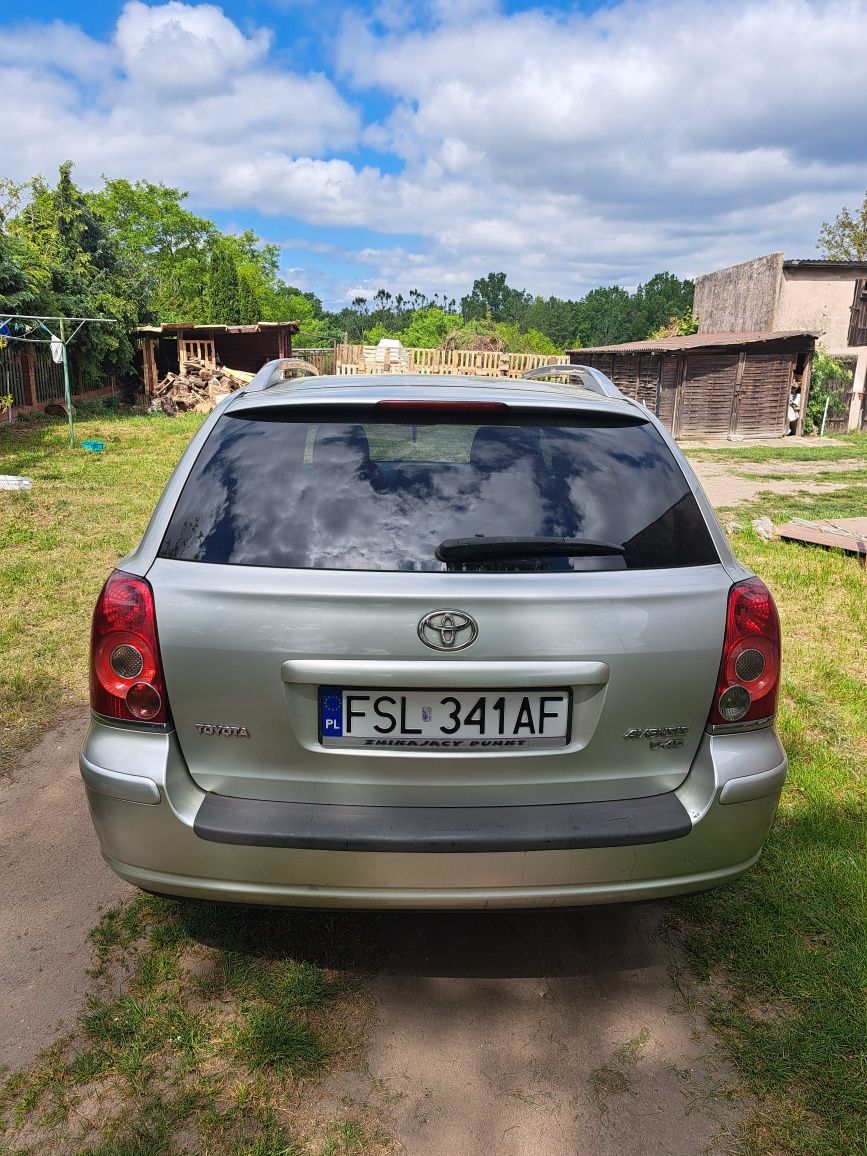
x: 711, y: 384
x: 247, y: 347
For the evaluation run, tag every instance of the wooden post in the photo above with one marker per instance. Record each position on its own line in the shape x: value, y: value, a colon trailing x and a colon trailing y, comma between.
x: 856, y: 404
x: 736, y: 394
x: 149, y: 367
x: 678, y: 393
x: 805, y: 393
x: 28, y: 376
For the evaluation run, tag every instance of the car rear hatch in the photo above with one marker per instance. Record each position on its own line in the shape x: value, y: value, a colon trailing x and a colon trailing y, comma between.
x: 438, y: 607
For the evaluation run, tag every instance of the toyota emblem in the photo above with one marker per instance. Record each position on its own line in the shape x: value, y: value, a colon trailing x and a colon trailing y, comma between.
x: 448, y: 630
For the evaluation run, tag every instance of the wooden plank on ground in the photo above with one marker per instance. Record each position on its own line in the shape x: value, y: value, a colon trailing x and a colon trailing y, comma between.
x: 849, y: 534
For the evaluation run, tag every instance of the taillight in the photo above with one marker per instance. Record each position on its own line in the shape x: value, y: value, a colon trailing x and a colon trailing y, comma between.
x: 749, y: 674
x: 126, y: 675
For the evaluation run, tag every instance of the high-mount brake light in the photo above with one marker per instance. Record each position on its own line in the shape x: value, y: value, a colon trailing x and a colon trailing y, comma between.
x: 749, y: 674
x: 444, y: 406
x: 126, y: 674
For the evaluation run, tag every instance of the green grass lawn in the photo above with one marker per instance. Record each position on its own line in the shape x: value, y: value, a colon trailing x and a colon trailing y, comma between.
x: 784, y: 951
x: 782, y: 954
x: 58, y: 544
x: 842, y: 447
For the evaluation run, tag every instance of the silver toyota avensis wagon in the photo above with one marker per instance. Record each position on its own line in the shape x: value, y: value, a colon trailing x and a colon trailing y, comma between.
x: 432, y: 642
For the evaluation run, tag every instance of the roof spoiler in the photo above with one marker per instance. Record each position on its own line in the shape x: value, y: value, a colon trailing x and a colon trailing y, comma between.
x: 590, y: 378
x: 275, y: 373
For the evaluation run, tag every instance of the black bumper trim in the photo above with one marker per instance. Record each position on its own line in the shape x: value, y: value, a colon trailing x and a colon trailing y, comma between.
x: 337, y: 827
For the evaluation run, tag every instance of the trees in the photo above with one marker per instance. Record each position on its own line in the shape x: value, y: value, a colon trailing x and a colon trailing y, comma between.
x: 175, y: 251
x: 658, y: 301
x: 610, y: 315
x: 133, y: 249
x: 71, y: 264
x: 827, y: 376
x: 845, y: 238
x: 606, y: 316
x: 249, y: 309
x: 429, y: 327
x: 168, y: 246
x: 221, y: 294
x: 16, y: 291
x: 492, y: 297
x: 556, y: 318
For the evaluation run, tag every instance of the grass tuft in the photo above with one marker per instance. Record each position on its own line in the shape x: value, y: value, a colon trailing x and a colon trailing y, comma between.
x: 271, y: 1038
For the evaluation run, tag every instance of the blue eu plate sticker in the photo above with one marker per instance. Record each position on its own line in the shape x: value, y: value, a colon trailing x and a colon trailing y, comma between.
x: 332, y: 714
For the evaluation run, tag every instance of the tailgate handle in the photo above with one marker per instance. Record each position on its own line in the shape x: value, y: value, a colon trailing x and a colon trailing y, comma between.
x: 439, y: 672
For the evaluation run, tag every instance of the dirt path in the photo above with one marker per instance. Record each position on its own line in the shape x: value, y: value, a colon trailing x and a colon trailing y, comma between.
x: 725, y: 484
x: 54, y: 886
x: 544, y: 1033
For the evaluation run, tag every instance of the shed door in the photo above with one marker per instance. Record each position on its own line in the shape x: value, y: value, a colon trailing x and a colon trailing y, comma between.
x: 707, y: 395
x: 858, y: 321
x: 665, y: 401
x: 763, y: 396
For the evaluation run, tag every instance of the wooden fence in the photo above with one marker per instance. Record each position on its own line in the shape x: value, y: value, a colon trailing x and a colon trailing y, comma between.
x: 30, y: 374
x: 322, y: 357
x: 355, y: 359
x: 841, y: 400
x: 33, y: 378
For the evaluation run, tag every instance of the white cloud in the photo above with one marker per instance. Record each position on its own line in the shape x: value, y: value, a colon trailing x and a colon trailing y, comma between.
x: 639, y: 136
x: 179, y: 94
x: 56, y: 45
x: 567, y: 149
x: 184, y: 47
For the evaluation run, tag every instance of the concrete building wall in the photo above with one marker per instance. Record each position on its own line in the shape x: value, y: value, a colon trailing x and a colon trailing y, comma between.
x: 767, y: 295
x: 819, y: 300
x: 741, y: 298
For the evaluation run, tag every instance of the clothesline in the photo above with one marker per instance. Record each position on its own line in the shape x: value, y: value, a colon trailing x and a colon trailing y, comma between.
x: 57, y: 344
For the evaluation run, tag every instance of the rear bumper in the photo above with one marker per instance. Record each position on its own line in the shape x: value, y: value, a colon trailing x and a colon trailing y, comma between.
x: 667, y: 845
x: 441, y: 830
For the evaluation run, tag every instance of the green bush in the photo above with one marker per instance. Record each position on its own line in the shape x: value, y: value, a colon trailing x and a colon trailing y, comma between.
x: 826, y: 370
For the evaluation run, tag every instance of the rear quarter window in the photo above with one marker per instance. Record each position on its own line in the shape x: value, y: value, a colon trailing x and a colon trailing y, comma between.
x: 336, y: 490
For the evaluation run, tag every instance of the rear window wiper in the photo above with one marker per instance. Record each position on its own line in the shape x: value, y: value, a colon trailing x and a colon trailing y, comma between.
x: 481, y: 548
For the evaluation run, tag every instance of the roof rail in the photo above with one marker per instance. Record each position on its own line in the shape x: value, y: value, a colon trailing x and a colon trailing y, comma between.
x: 274, y: 373
x: 591, y: 378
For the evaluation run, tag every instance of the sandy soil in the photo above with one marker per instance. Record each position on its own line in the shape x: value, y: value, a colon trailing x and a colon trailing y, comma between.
x: 544, y: 1033
x: 54, y: 886
x: 725, y: 487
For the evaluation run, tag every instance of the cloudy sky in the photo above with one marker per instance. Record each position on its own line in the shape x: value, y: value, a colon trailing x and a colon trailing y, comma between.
x: 424, y: 144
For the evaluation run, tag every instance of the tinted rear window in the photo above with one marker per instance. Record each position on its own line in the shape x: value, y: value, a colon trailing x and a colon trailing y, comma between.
x: 268, y: 489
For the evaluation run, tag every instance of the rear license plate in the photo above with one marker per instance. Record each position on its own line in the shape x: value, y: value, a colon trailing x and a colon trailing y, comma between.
x: 468, y: 721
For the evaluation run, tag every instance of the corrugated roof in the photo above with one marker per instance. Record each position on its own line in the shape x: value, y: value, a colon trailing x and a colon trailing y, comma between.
x: 256, y: 327
x: 695, y: 341
x: 811, y: 263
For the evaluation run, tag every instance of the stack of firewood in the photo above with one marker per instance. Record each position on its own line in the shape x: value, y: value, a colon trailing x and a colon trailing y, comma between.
x: 197, y: 388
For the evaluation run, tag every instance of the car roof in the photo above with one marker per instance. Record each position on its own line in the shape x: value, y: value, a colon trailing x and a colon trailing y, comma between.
x: 366, y: 389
